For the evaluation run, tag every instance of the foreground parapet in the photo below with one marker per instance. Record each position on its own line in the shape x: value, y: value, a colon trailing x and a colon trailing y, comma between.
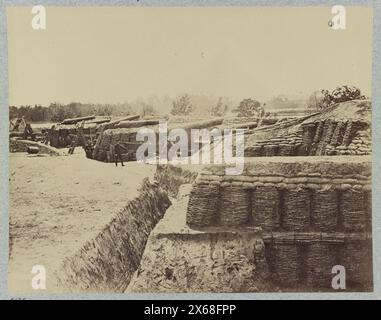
x: 315, y: 213
x: 284, y: 224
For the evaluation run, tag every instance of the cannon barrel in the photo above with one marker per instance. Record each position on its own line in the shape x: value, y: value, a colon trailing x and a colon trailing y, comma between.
x: 199, y: 124
x: 99, y: 121
x: 75, y: 120
x: 136, y: 124
x: 112, y: 124
x: 248, y: 125
x: 130, y: 118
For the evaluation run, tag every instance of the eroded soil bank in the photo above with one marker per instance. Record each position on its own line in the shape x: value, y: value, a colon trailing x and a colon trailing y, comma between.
x: 180, y: 259
x: 61, y: 205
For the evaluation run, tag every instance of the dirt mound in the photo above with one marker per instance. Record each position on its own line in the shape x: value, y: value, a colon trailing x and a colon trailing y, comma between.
x: 342, y: 129
x: 107, y: 262
x: 17, y: 145
x: 355, y: 110
x: 178, y: 259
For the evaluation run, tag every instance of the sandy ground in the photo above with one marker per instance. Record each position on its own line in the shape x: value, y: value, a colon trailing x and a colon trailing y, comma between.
x: 56, y: 204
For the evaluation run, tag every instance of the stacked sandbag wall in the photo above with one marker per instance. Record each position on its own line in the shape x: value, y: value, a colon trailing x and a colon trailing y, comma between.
x: 293, y: 204
x: 324, y: 137
x: 314, y: 216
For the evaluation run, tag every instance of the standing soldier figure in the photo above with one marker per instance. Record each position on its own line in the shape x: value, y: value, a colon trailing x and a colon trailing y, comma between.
x: 73, y: 143
x: 28, y: 132
x: 110, y: 151
x: 89, y: 150
x: 118, y: 147
x: 44, y: 136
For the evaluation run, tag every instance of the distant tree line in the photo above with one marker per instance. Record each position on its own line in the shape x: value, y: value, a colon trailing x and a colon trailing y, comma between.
x: 183, y: 105
x: 57, y: 112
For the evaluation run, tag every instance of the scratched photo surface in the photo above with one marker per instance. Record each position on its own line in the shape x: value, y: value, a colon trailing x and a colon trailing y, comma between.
x: 190, y: 149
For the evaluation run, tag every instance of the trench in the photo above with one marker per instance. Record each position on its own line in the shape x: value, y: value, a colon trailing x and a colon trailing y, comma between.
x: 107, y: 262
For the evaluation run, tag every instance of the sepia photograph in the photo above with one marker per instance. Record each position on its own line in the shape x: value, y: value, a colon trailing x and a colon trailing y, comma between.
x: 214, y: 149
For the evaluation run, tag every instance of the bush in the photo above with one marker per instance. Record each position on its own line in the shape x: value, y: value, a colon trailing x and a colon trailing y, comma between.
x: 219, y: 109
x: 344, y: 93
x: 148, y: 110
x: 182, y: 106
x: 248, y: 108
x: 318, y: 101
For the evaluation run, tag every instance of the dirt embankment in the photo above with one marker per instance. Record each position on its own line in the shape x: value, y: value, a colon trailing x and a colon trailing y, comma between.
x: 107, y: 262
x: 87, y: 222
x: 17, y: 145
x: 342, y: 129
x: 179, y: 259
x: 56, y: 204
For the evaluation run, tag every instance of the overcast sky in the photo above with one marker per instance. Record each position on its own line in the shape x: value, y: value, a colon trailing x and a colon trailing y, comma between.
x: 108, y: 55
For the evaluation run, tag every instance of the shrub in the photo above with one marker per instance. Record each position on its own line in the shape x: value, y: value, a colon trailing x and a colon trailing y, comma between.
x: 182, y: 106
x: 219, y: 109
x: 320, y: 100
x: 248, y: 108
